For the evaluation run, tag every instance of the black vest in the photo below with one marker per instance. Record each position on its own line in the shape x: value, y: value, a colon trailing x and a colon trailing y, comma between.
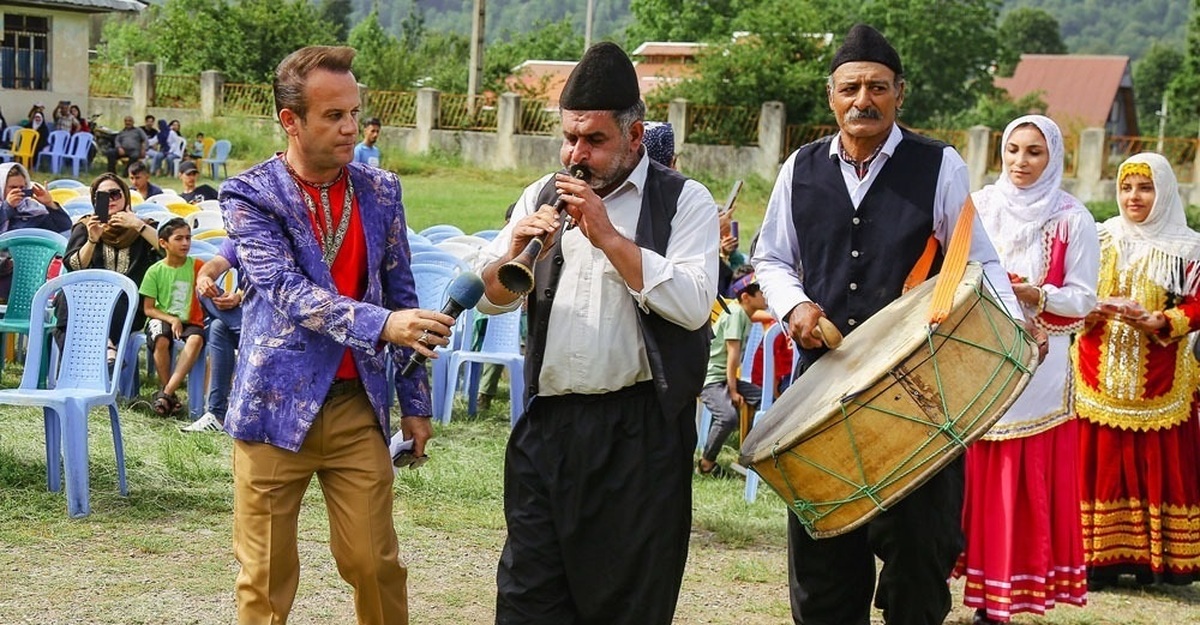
x: 855, y: 262
x: 678, y: 356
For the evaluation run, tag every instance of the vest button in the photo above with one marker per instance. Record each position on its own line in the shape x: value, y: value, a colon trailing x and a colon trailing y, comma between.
x: 548, y: 293
x: 854, y: 253
x: 852, y: 322
x: 558, y: 259
x: 856, y: 221
x: 853, y: 286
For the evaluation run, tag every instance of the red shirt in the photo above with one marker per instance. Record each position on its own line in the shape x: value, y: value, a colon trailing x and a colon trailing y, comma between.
x: 350, y: 265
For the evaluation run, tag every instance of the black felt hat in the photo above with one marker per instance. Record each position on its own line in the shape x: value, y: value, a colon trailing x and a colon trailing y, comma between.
x: 603, y: 80
x: 864, y: 43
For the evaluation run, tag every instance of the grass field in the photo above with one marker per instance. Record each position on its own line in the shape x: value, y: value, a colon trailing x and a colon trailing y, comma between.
x: 163, y: 554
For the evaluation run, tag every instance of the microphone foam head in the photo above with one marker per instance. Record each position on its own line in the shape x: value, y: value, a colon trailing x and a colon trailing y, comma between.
x: 466, y: 289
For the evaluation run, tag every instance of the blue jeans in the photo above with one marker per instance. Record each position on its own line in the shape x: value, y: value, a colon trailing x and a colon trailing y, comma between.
x: 222, y: 343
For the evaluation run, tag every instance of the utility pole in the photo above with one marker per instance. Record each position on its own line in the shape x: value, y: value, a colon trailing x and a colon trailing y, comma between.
x: 475, y: 73
x: 587, y: 25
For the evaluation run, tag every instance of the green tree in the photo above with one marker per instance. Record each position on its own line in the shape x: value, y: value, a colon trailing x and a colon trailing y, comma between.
x: 1185, y: 86
x: 548, y: 41
x: 380, y: 62
x: 1152, y: 77
x: 1027, y: 31
x: 684, y: 20
x: 947, y: 49
x: 336, y: 13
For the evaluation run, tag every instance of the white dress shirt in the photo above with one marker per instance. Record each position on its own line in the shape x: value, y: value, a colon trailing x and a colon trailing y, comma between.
x: 594, y: 343
x: 776, y: 257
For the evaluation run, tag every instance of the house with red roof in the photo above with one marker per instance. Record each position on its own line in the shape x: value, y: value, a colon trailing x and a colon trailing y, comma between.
x: 1080, y: 91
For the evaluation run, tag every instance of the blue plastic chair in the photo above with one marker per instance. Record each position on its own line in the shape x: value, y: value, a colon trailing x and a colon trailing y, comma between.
x: 78, y: 208
x: 32, y: 251
x: 83, y: 378
x: 218, y: 156
x: 432, y: 281
x: 441, y: 258
x: 201, y: 247
x: 437, y: 233
x: 490, y: 235
x: 768, y: 398
x: 413, y: 237
x: 65, y: 183
x: 422, y: 246
x: 55, y: 150
x: 78, y: 152
x: 501, y: 346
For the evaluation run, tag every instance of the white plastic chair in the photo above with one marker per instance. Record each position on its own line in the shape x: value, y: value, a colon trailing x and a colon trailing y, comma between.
x: 83, y: 380
x: 439, y: 257
x: 203, y: 220
x: 501, y: 346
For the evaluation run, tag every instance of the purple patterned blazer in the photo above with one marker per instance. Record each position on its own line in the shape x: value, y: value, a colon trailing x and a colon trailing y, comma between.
x: 294, y: 323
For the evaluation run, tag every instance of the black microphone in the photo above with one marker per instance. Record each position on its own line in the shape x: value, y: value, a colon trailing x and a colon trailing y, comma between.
x: 463, y: 293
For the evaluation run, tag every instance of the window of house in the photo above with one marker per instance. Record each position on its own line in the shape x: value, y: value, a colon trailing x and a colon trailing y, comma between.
x: 25, y: 52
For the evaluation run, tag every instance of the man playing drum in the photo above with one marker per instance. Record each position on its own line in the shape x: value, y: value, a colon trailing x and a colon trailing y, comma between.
x: 852, y: 213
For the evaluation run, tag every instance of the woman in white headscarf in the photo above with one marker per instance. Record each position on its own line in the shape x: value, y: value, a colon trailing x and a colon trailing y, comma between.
x: 1021, y: 505
x: 1136, y: 384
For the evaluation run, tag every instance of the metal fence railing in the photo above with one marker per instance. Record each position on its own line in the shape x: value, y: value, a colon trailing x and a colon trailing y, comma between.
x: 242, y: 100
x: 798, y: 135
x: 110, y: 81
x: 393, y: 108
x: 723, y: 125
x: 1180, y: 151
x: 177, y: 90
x: 456, y: 115
x: 537, y: 118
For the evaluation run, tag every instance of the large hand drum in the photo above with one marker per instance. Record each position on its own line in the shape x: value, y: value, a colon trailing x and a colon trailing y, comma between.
x: 871, y: 421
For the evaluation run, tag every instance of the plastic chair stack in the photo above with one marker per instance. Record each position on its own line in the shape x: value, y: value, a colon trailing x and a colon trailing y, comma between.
x: 78, y: 150
x: 32, y: 251
x: 55, y: 150
x: 83, y: 380
x: 501, y: 346
x: 437, y: 234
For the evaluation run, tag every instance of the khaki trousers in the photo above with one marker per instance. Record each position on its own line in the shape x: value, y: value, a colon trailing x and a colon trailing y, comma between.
x: 348, y: 454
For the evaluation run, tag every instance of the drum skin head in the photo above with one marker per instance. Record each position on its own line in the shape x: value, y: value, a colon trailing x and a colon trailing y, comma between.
x: 869, y: 422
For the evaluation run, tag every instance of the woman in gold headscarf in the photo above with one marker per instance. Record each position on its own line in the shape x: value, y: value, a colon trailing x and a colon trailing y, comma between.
x: 1135, y: 384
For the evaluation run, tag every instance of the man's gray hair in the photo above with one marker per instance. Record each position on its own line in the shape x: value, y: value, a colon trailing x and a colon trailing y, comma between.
x: 626, y: 117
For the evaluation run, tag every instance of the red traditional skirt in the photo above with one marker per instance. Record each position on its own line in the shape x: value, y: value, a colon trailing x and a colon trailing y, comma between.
x: 1021, y: 520
x: 1141, y: 500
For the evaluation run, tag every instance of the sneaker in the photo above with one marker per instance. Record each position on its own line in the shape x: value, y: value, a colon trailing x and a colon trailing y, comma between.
x: 206, y: 423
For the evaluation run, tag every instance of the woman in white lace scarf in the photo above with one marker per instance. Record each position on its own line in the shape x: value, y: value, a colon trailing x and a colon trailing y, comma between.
x: 1021, y: 506
x: 1135, y: 385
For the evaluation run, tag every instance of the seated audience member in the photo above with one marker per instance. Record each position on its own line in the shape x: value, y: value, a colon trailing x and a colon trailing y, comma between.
x: 724, y: 393
x: 166, y: 148
x: 188, y: 173
x: 63, y: 119
x: 84, y: 124
x: 150, y: 128
x: 224, y: 331
x: 197, y: 151
x: 366, y: 152
x: 120, y: 241
x: 172, y: 312
x: 129, y: 145
x: 139, y: 180
x: 37, y: 121
x: 24, y: 204
x: 28, y: 205
x: 4, y: 145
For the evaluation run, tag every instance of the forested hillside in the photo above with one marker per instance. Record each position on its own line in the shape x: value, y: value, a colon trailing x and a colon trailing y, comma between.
x: 1092, y: 27
x: 1115, y: 26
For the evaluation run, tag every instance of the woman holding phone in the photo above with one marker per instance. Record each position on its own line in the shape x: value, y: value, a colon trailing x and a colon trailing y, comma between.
x: 112, y: 238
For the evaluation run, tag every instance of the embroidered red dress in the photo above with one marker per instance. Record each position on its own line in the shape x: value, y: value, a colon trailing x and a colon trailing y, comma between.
x: 1137, y: 402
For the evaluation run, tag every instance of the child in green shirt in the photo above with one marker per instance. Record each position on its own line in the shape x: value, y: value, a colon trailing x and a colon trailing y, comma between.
x: 173, y: 313
x: 724, y: 393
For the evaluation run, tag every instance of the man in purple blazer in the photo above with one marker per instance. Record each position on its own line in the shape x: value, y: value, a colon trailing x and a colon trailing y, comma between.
x: 322, y: 244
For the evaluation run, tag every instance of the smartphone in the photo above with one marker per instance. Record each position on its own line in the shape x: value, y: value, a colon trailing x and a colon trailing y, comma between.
x: 101, y: 205
x: 733, y: 229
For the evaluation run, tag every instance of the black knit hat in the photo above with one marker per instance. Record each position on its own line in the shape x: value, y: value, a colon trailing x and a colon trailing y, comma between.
x: 603, y: 80
x: 864, y: 43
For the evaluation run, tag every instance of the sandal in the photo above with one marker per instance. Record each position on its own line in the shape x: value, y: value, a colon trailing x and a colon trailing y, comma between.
x: 166, y: 405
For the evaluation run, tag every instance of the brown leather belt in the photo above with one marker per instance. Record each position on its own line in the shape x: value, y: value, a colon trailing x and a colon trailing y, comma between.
x: 343, y: 387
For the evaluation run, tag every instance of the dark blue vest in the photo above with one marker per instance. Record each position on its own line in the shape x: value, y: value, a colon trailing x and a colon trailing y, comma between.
x: 855, y: 262
x: 678, y: 356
